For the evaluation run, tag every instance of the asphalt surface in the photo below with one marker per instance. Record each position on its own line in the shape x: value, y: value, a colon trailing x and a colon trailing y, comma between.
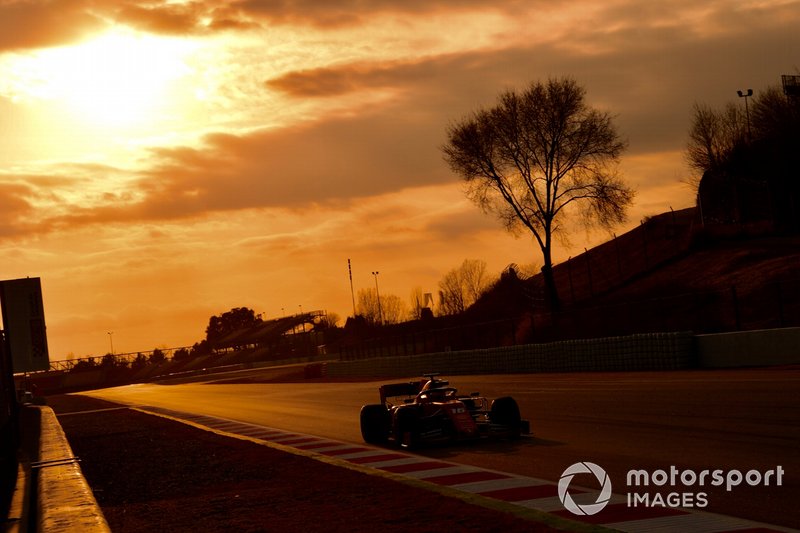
x: 150, y: 473
x: 729, y: 420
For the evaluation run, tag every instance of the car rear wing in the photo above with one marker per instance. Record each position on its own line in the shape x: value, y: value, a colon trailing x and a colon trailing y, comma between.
x: 394, y: 390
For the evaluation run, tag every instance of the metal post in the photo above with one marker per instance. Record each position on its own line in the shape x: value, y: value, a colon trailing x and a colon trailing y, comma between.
x: 378, y: 294
x: 352, y: 293
x: 746, y: 95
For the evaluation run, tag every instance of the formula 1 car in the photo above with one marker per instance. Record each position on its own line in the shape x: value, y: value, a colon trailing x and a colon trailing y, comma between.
x: 430, y: 411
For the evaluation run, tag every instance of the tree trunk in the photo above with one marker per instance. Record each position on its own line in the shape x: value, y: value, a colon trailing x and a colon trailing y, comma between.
x: 550, y: 289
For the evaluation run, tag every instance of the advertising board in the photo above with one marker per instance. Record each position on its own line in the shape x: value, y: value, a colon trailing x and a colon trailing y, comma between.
x: 24, y: 325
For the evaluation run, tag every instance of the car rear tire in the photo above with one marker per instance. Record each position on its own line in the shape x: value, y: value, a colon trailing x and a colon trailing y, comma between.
x: 374, y: 424
x: 505, y: 412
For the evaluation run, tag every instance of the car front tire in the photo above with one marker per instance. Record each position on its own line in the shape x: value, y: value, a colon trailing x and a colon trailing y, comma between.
x: 505, y: 412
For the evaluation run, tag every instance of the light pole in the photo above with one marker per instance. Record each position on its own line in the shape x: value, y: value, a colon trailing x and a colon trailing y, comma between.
x: 352, y: 293
x: 746, y: 95
x: 378, y: 294
x: 111, y: 340
x: 300, y: 315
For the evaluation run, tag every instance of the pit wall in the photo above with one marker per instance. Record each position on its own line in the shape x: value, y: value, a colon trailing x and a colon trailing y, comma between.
x: 51, y: 494
x: 651, y: 351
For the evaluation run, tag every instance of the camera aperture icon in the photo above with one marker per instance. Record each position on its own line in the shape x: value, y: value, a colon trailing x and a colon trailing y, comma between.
x: 584, y: 468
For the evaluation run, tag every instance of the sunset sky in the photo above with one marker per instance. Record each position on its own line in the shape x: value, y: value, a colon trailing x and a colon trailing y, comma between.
x: 165, y: 161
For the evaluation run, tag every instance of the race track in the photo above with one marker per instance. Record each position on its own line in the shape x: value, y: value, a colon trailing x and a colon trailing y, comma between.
x: 739, y: 419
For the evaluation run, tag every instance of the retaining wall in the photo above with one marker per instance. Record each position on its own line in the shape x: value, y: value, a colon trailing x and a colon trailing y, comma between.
x: 767, y: 347
x: 65, y: 500
x: 651, y: 351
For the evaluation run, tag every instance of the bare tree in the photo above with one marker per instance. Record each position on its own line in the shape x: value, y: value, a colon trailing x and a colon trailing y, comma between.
x: 451, y: 295
x: 775, y: 116
x: 367, y: 305
x: 391, y: 311
x: 395, y: 310
x: 474, y: 278
x: 330, y: 320
x: 537, y: 154
x: 713, y: 137
x: 462, y: 286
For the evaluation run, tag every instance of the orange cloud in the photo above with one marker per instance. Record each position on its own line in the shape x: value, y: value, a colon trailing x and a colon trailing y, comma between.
x: 394, y: 144
x: 162, y: 18
x: 16, y: 208
x: 182, y: 19
x: 36, y: 24
x: 27, y: 24
x: 343, y: 79
x: 342, y: 13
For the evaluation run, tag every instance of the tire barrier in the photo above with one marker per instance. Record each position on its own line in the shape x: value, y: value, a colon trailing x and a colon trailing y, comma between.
x: 648, y: 351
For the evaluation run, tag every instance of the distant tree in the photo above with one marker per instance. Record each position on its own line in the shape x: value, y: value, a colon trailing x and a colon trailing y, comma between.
x: 390, y: 311
x: 139, y: 362
x: 84, y: 364
x: 461, y: 287
x: 776, y: 118
x: 394, y: 309
x: 748, y: 171
x: 535, y: 156
x: 157, y: 357
x: 716, y: 134
x: 713, y: 137
x: 201, y: 348
x: 367, y: 306
x: 230, y: 321
x: 108, y: 361
x: 181, y: 354
x: 474, y: 278
x: 451, y: 295
x: 329, y: 320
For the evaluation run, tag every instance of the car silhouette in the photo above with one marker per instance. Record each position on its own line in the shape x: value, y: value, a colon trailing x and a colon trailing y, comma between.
x: 427, y: 411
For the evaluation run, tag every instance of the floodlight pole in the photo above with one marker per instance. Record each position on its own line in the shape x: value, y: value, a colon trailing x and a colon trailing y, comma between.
x: 378, y: 294
x: 352, y: 293
x: 746, y: 95
x: 111, y: 340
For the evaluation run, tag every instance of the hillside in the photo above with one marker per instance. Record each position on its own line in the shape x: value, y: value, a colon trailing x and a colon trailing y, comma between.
x: 671, y: 273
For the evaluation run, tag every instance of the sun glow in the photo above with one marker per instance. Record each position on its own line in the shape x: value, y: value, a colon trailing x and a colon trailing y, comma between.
x: 117, y: 79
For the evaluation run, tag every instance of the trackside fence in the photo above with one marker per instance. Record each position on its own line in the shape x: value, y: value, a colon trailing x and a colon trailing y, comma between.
x: 651, y: 351
x: 740, y: 307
